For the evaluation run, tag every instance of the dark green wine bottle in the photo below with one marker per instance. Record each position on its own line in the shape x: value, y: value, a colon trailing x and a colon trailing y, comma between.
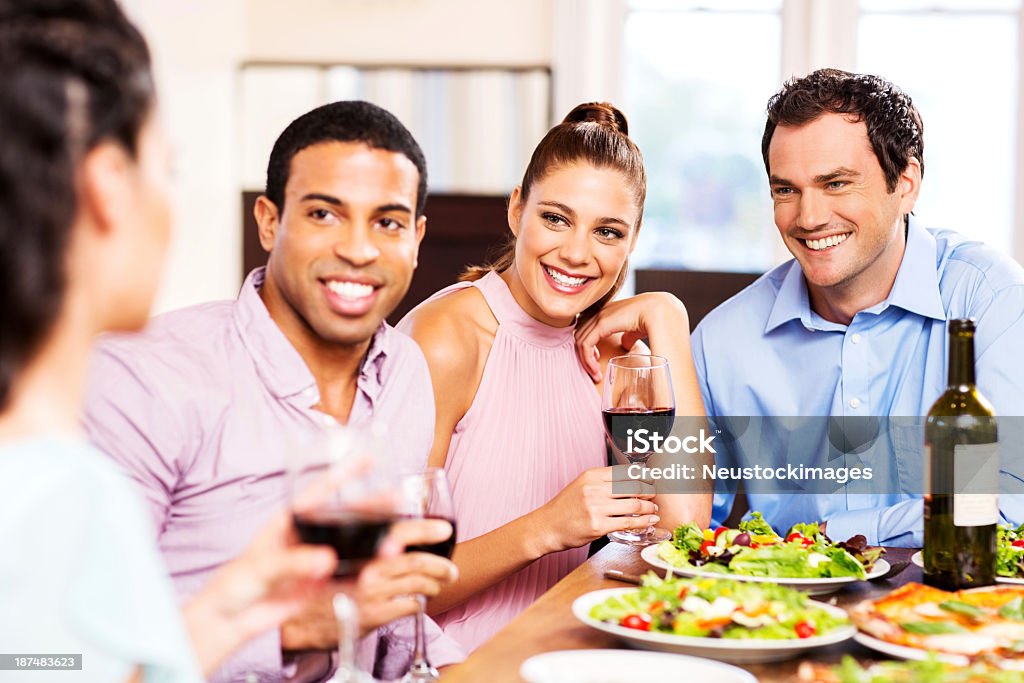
x: 961, y: 476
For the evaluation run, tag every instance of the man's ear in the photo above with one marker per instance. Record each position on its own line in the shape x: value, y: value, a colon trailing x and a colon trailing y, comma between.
x: 515, y: 210
x: 908, y: 185
x: 421, y: 230
x: 267, y: 222
x: 105, y: 186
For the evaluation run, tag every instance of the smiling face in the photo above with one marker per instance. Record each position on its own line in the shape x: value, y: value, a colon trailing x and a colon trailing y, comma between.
x: 834, y: 211
x: 573, y: 232
x: 343, y: 252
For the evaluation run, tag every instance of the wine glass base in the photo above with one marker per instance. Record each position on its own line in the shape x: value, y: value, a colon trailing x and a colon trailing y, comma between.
x: 421, y: 674
x: 351, y: 676
x: 639, y: 538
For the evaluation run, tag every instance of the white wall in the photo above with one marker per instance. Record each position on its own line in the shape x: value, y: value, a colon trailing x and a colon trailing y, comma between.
x: 407, y: 32
x: 199, y: 46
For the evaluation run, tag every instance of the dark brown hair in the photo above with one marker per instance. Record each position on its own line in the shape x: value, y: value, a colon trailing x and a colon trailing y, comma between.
x: 76, y: 73
x: 593, y: 132
x: 894, y: 125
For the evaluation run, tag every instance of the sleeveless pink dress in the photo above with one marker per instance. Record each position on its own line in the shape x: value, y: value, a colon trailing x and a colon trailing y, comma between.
x: 533, y: 427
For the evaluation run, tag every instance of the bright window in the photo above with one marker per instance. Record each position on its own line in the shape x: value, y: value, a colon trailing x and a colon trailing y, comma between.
x: 960, y: 68
x: 696, y: 84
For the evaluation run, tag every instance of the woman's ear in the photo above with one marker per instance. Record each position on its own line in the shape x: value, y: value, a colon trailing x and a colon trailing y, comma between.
x: 515, y: 210
x: 106, y: 186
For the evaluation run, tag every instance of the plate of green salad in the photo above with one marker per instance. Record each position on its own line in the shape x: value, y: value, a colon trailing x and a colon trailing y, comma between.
x: 805, y: 558
x: 1009, y: 554
x: 718, y: 618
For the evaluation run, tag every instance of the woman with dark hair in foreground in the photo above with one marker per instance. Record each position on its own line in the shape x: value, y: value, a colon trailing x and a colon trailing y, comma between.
x: 84, y: 223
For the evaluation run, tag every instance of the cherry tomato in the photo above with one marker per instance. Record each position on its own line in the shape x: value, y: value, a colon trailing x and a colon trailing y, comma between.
x: 719, y: 531
x: 795, y: 536
x: 807, y: 542
x: 704, y: 547
x: 1019, y: 543
x: 636, y: 621
x: 804, y: 629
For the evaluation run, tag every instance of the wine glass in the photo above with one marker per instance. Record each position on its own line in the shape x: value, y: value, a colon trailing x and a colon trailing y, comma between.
x: 637, y: 396
x: 342, y: 496
x: 426, y: 495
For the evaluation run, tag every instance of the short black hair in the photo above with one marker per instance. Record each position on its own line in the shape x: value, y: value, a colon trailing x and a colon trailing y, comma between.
x: 894, y: 125
x: 76, y: 74
x: 345, y: 121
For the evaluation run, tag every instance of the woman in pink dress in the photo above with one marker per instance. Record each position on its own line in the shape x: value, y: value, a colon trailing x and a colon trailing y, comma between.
x: 518, y: 412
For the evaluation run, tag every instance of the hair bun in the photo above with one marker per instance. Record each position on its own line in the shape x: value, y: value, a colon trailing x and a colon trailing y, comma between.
x: 598, y: 112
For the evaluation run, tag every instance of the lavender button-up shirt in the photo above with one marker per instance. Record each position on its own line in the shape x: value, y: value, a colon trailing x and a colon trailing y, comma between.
x: 200, y: 410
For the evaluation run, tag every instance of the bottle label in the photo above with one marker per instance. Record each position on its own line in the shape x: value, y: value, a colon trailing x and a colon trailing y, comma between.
x: 975, y: 484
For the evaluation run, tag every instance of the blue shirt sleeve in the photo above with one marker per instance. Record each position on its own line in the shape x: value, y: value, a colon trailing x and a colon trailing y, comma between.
x: 723, y: 500
x: 999, y: 348
x: 897, y: 525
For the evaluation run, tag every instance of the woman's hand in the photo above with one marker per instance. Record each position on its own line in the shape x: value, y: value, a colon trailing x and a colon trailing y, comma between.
x: 596, y: 503
x: 638, y: 317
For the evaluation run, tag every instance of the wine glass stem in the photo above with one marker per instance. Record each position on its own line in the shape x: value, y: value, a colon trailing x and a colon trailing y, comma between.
x: 641, y: 458
x: 419, y: 654
x: 347, y: 615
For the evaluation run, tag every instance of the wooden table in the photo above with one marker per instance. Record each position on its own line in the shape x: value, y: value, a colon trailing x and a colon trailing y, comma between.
x: 548, y: 624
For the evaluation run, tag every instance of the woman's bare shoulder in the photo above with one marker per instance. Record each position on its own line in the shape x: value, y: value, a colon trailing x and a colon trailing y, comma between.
x: 452, y: 330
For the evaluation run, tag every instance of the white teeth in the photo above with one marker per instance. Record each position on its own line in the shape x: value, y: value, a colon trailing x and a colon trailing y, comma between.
x: 564, y: 280
x: 350, y: 290
x: 826, y: 242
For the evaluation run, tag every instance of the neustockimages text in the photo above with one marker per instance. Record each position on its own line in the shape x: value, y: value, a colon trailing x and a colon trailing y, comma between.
x: 840, y: 475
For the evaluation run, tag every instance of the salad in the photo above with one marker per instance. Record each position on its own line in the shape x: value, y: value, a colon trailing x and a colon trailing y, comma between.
x: 718, y: 608
x: 1010, y: 552
x: 930, y: 670
x: 754, y: 549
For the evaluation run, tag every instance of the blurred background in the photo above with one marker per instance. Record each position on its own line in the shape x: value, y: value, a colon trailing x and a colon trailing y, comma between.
x: 479, y: 82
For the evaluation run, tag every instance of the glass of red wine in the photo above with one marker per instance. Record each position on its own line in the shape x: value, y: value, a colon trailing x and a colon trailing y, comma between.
x: 637, y: 396
x: 426, y: 495
x: 343, y: 496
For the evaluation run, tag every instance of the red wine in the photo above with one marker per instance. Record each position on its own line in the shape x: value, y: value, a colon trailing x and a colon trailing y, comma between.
x: 354, y: 536
x: 619, y: 423
x: 443, y: 548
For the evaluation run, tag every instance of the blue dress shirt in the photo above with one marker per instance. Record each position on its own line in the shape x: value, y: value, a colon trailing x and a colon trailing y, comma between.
x: 764, y: 352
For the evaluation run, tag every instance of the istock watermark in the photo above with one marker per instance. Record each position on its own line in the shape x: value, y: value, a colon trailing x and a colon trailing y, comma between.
x: 648, y: 441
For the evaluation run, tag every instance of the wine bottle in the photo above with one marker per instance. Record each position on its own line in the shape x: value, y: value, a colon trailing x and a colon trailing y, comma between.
x: 961, y: 476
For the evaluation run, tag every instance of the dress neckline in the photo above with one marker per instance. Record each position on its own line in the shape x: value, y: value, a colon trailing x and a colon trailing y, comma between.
x: 511, y: 315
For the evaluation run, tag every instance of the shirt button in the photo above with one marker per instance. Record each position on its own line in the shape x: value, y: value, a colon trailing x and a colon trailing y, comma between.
x: 855, y: 338
x: 855, y: 403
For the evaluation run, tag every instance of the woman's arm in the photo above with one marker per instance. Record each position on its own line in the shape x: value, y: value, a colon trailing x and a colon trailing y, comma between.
x: 662, y: 319
x: 456, y: 345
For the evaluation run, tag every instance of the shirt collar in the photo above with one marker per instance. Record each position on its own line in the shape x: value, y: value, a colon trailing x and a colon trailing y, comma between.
x: 791, y: 301
x: 916, y: 288
x: 278, y: 363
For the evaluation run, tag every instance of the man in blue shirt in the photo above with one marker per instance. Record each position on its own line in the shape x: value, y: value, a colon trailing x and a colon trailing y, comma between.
x: 855, y: 324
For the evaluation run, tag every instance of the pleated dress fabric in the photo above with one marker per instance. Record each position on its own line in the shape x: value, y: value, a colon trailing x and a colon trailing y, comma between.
x: 533, y: 427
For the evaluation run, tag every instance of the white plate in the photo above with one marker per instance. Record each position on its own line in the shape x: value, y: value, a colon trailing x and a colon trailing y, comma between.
x: 809, y: 586
x: 905, y: 652
x: 725, y: 649
x: 615, y: 666
x: 918, y: 559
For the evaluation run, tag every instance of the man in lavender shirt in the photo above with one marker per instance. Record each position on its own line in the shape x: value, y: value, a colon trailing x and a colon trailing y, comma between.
x: 201, y: 408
